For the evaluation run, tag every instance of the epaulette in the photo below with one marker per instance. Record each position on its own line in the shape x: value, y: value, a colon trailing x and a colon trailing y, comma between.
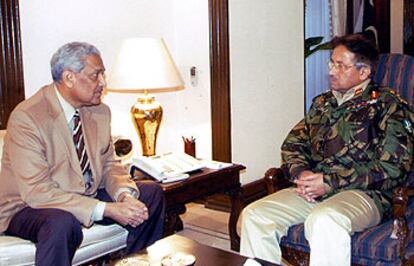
x: 319, y: 100
x: 396, y: 94
x: 322, y: 98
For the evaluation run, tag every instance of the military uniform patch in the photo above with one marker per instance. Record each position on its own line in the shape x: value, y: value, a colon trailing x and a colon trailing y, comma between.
x: 408, y: 126
x: 374, y: 95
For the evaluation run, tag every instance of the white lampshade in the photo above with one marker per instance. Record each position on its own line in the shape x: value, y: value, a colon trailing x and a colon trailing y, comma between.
x: 144, y: 64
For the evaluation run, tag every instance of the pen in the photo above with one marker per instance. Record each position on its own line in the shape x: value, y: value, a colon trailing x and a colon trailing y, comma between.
x: 188, y: 140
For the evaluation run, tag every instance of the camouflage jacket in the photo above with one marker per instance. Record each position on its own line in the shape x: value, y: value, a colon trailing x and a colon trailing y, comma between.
x: 366, y: 143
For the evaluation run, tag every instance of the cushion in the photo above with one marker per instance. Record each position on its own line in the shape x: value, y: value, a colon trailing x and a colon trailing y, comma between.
x: 16, y: 251
x: 370, y: 247
x: 97, y: 241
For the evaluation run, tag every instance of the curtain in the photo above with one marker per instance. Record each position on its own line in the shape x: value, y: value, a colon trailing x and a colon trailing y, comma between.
x: 365, y: 20
x: 338, y: 17
x: 317, y: 23
x: 373, y: 18
x: 408, y: 27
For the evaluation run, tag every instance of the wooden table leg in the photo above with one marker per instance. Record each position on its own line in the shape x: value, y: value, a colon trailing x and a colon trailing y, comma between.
x: 173, y: 222
x: 236, y: 207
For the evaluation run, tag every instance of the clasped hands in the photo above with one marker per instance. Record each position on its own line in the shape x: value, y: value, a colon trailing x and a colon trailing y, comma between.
x: 129, y: 211
x: 310, y: 186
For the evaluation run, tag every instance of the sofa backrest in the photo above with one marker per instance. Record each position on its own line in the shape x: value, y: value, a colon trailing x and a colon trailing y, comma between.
x: 397, y: 72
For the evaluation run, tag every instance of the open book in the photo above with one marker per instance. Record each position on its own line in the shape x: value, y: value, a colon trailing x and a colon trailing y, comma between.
x: 168, y: 167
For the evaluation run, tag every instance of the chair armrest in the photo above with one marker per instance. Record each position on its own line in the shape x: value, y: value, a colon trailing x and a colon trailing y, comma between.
x: 275, y: 180
x: 400, y: 229
x: 399, y: 208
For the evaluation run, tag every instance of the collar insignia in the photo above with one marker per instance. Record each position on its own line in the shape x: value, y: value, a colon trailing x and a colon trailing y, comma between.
x: 358, y: 91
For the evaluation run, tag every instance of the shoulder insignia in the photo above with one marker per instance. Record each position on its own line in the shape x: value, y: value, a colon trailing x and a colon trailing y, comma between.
x: 321, y: 100
x: 398, y: 96
x: 401, y: 99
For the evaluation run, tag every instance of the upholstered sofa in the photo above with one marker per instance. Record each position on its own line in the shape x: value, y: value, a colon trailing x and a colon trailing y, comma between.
x: 98, y: 241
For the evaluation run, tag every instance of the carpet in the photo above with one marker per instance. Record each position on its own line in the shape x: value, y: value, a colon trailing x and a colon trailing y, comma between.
x: 212, y: 220
x: 208, y: 227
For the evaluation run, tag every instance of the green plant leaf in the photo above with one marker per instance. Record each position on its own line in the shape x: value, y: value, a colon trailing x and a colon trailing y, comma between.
x: 315, y: 42
x: 311, y: 41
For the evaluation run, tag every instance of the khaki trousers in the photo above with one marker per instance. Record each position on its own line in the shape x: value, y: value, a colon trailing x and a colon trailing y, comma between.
x: 328, y: 225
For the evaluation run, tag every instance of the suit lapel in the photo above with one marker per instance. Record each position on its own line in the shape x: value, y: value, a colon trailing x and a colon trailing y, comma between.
x: 61, y: 127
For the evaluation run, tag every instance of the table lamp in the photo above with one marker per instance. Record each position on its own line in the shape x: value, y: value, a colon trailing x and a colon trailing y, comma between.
x: 145, y: 65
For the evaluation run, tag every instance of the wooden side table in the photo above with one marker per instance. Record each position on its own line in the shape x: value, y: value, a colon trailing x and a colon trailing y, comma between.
x: 202, y: 183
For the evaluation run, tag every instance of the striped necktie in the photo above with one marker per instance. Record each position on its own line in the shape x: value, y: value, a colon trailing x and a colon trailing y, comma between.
x: 79, y: 141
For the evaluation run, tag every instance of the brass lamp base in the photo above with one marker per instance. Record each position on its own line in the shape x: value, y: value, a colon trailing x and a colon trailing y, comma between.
x: 147, y: 115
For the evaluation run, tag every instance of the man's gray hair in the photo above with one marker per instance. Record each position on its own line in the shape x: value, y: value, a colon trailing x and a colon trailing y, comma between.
x: 71, y: 56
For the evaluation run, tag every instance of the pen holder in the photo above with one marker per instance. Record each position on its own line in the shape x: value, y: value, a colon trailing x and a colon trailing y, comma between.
x: 190, y: 147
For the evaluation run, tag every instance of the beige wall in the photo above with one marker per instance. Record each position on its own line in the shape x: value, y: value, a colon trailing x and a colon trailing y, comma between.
x: 267, y: 79
x: 397, y: 14
x: 46, y: 25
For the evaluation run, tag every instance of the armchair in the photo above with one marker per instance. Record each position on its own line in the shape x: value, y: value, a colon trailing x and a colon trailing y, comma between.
x: 392, y: 241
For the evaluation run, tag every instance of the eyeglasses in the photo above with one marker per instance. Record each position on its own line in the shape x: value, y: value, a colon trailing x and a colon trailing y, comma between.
x: 341, y: 67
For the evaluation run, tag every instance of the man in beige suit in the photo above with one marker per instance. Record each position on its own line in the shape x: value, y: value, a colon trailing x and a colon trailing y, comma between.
x: 58, y: 173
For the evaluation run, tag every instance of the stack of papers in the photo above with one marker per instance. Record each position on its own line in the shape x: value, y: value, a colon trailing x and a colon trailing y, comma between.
x: 168, y: 167
x: 171, y: 167
x: 215, y: 164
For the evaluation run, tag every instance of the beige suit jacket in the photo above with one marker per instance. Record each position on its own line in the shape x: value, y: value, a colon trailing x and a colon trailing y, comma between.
x: 40, y: 167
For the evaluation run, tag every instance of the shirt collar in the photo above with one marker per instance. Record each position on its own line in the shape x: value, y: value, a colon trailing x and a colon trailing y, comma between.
x: 68, y: 109
x: 351, y: 93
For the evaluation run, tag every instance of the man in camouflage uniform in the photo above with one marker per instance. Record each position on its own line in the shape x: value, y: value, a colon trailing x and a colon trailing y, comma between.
x: 346, y: 156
